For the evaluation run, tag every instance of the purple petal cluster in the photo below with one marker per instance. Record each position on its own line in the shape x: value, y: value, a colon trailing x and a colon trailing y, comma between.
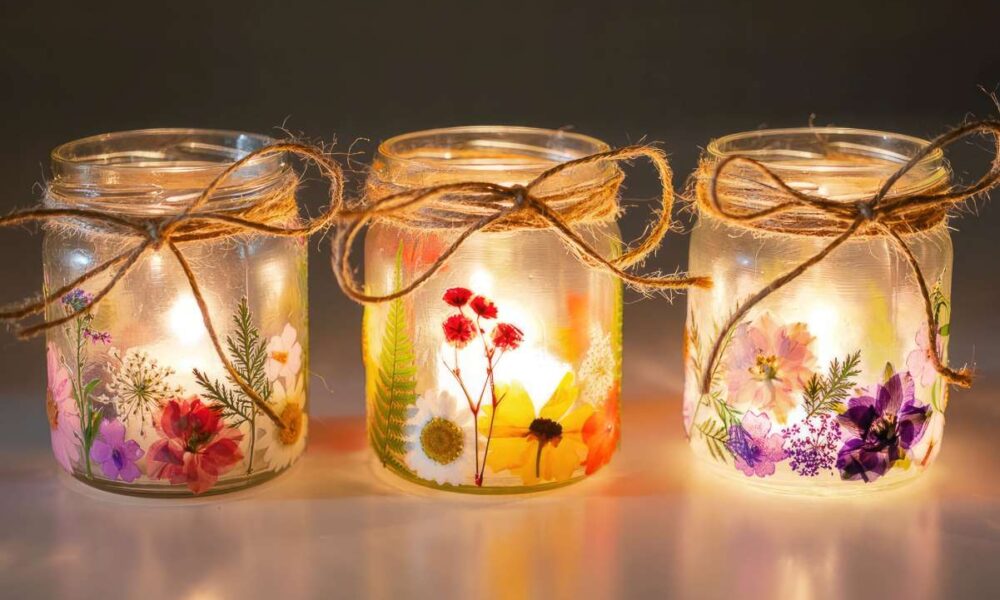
x: 812, y: 444
x: 882, y: 426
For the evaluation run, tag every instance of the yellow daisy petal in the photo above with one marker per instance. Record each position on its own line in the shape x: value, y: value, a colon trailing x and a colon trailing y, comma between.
x: 564, y: 397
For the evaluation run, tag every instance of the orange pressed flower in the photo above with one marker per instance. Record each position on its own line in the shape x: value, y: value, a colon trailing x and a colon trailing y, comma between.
x: 602, y: 432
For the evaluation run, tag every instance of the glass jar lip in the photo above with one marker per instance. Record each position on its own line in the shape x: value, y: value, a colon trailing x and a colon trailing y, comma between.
x: 716, y: 148
x: 75, y: 153
x: 161, y: 169
x: 490, y: 136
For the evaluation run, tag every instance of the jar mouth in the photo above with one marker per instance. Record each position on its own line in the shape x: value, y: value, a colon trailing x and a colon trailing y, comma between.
x: 839, y: 163
x: 161, y: 170
x: 493, y: 153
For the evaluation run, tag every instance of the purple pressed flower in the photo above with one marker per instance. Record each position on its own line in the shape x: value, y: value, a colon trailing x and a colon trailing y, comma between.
x: 95, y: 336
x: 114, y: 454
x: 882, y: 426
x: 77, y: 299
x: 812, y: 444
x: 755, y: 449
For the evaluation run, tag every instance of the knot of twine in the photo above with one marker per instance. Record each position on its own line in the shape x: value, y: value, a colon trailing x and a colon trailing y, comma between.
x: 882, y: 214
x: 196, y: 222
x: 475, y: 206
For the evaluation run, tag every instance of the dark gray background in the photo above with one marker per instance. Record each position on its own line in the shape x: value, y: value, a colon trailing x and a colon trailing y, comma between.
x: 680, y: 73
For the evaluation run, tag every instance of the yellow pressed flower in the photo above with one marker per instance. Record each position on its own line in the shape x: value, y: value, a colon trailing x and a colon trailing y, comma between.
x: 544, y: 447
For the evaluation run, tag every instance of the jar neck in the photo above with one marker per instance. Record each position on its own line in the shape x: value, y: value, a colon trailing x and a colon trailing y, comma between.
x: 159, y: 172
x: 838, y: 164
x: 504, y: 156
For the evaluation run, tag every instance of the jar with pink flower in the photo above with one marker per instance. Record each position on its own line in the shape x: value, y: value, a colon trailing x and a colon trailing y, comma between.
x: 501, y: 372
x: 138, y: 399
x: 826, y: 384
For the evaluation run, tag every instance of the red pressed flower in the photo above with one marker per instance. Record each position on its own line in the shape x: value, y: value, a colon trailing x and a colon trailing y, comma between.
x: 507, y: 336
x: 602, y: 432
x: 196, y: 448
x: 458, y: 330
x: 457, y: 296
x: 484, y: 307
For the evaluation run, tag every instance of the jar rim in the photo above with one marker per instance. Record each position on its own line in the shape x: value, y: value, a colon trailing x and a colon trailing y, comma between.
x: 729, y: 145
x: 161, y: 169
x: 571, y: 145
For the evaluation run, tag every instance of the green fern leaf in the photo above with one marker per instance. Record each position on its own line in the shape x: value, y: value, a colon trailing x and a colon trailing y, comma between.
x: 395, y: 384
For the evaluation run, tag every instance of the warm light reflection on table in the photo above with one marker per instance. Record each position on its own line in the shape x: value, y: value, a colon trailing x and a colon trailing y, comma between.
x: 652, y: 525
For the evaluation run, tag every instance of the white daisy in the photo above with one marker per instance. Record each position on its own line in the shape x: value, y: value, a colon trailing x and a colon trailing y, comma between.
x: 597, y: 371
x: 442, y: 440
x: 284, y: 355
x: 278, y: 448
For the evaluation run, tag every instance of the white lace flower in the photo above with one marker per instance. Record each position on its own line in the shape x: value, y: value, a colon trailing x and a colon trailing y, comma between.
x: 278, y: 448
x: 597, y: 371
x: 441, y: 446
x: 284, y: 355
x: 137, y: 387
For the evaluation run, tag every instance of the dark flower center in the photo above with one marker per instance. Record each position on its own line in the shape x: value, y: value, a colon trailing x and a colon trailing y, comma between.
x: 118, y: 458
x: 545, y: 430
x: 744, y: 446
x: 882, y: 432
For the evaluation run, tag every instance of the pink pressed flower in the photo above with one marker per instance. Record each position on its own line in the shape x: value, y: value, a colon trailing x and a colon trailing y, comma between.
x: 755, y: 449
x: 196, y: 447
x: 64, y: 418
x: 483, y: 307
x: 457, y: 296
x: 767, y: 364
x: 919, y: 362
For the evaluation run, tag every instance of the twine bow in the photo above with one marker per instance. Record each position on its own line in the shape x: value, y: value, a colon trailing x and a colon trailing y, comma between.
x: 483, y: 206
x: 882, y: 214
x: 190, y: 224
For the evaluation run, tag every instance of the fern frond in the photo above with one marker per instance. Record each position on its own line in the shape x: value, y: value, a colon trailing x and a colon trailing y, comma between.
x: 716, y: 436
x: 395, y: 384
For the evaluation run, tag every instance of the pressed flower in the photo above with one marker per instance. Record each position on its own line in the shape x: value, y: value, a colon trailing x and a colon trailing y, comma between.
x: 507, y: 336
x: 919, y: 362
x: 766, y: 365
x: 278, y: 447
x: 602, y: 433
x: 458, y: 330
x: 597, y: 370
x: 116, y: 456
x: 483, y: 307
x: 883, y: 425
x: 196, y: 447
x: 64, y: 417
x: 755, y: 449
x: 443, y: 437
x: 284, y: 355
x: 457, y: 296
x: 812, y: 444
x: 137, y: 386
x: 547, y: 446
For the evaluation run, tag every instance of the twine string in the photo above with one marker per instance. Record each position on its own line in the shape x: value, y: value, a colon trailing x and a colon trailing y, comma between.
x: 494, y: 207
x: 881, y: 215
x: 193, y: 223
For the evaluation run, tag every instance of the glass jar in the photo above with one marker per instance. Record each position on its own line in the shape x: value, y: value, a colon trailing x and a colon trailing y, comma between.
x: 138, y: 400
x: 513, y: 319
x: 826, y: 386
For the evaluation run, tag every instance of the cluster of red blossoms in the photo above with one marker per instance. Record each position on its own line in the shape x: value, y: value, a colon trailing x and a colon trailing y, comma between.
x: 459, y: 329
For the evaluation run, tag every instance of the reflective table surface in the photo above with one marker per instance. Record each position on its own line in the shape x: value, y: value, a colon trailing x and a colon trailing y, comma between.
x: 652, y: 525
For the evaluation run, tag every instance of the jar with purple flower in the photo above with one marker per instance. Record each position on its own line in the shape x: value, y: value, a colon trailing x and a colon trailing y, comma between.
x: 138, y: 399
x: 827, y: 384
